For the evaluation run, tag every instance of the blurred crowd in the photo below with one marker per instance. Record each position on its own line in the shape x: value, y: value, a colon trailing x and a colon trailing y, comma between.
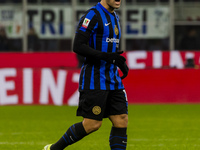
x: 186, y: 37
x: 34, y: 1
x: 90, y: 1
x: 4, y: 42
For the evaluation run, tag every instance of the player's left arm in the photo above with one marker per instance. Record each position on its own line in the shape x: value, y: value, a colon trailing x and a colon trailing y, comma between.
x: 124, y: 68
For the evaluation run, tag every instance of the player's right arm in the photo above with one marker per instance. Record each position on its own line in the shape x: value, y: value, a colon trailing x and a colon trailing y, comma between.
x: 88, y: 25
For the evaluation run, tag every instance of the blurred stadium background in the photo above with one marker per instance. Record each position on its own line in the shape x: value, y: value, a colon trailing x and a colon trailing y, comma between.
x: 161, y: 40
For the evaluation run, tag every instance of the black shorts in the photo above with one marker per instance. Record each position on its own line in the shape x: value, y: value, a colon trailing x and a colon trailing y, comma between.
x: 99, y: 104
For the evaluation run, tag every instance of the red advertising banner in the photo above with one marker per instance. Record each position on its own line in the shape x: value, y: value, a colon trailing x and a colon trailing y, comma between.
x: 135, y: 59
x: 47, y: 86
x: 160, y: 59
x: 50, y: 78
x: 38, y: 86
x: 163, y: 86
x: 38, y: 60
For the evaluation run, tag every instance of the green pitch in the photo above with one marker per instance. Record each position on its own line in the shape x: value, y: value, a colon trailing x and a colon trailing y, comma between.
x: 151, y: 127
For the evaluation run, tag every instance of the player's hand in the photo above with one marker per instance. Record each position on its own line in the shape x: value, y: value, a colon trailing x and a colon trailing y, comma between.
x: 124, y: 68
x: 114, y: 58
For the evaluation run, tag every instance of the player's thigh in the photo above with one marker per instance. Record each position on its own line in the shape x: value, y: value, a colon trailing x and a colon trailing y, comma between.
x: 119, y: 121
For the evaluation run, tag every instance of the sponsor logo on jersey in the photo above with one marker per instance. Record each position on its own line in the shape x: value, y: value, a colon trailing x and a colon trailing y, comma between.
x: 112, y: 40
x: 85, y: 23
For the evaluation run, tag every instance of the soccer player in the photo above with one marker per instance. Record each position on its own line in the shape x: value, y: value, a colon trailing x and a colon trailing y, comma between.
x: 102, y: 93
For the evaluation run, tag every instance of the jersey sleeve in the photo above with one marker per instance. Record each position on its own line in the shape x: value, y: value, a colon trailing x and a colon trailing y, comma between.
x: 87, y: 24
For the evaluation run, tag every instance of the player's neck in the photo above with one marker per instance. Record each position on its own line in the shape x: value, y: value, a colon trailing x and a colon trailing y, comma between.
x: 108, y: 7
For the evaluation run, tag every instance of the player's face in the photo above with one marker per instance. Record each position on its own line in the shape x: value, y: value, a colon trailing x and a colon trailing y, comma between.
x: 113, y: 4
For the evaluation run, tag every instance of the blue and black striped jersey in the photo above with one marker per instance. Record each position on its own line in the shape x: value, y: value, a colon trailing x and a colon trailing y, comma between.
x: 103, y: 32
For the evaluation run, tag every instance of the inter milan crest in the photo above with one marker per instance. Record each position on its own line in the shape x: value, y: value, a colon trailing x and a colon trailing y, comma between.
x: 116, y: 30
x: 96, y: 110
